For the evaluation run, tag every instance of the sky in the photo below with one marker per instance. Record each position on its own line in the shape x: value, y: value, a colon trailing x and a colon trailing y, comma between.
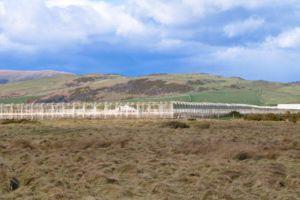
x: 253, y: 39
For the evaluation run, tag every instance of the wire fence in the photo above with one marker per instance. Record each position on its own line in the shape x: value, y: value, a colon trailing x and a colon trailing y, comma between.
x: 129, y: 110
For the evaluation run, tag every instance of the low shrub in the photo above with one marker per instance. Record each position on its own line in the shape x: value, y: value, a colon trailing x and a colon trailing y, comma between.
x: 242, y: 156
x: 253, y: 117
x: 232, y: 114
x: 292, y: 117
x: 235, y: 114
x: 175, y: 124
x: 273, y: 117
x: 18, y: 121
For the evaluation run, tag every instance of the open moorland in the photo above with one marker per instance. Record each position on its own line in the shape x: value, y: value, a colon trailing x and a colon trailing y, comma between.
x: 149, y: 159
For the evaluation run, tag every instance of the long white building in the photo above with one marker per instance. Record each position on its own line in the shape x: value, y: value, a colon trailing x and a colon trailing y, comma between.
x: 289, y: 106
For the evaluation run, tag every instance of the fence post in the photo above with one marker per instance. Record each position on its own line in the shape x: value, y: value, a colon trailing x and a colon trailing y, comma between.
x: 172, y: 104
x: 160, y: 109
x: 127, y: 106
x: 83, y: 110
x: 94, y: 111
x: 31, y: 111
x: 2, y: 112
x: 63, y: 110
x: 105, y: 110
x: 149, y: 109
x: 73, y: 110
x: 22, y: 111
x: 137, y: 110
x: 52, y: 110
x: 42, y: 111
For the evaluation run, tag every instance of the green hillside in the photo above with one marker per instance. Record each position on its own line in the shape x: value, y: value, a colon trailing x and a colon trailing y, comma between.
x: 225, y: 96
x: 159, y: 87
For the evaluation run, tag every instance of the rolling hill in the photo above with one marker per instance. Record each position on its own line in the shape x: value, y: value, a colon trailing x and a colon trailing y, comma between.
x: 158, y: 87
x: 8, y: 76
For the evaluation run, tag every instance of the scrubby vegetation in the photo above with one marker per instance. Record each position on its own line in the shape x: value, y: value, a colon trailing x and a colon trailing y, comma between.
x: 291, y: 117
x: 175, y: 124
x: 273, y: 117
x: 232, y: 115
x: 146, y: 86
x: 142, y: 159
x: 18, y: 121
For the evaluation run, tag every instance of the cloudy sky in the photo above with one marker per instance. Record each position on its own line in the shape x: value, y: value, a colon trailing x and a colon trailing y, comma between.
x: 254, y: 39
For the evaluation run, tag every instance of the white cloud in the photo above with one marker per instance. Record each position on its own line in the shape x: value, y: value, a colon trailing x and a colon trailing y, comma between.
x: 169, y: 13
x: 258, y: 63
x: 242, y: 27
x: 169, y: 44
x: 229, y: 53
x: 182, y: 12
x: 4, y: 42
x: 247, y: 4
x: 287, y: 39
x: 2, y: 9
x: 6, y: 45
x: 55, y: 24
x: 173, y: 27
x: 115, y: 18
x: 52, y: 24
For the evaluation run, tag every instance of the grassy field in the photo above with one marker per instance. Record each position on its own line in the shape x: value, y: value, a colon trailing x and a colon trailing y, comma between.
x: 150, y: 159
x: 224, y: 96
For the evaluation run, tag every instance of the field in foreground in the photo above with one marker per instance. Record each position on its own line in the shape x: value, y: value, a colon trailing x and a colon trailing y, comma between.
x: 148, y: 159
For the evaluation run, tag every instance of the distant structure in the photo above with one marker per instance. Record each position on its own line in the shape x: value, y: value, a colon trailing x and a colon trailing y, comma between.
x: 134, y: 110
x: 289, y: 106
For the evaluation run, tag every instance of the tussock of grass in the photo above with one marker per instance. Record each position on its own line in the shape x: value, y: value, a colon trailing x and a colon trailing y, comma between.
x: 22, y: 143
x: 273, y: 117
x: 175, y: 124
x: 242, y: 156
x: 18, y: 121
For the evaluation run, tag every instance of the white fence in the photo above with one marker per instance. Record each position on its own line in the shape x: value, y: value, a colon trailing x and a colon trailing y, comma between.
x: 128, y: 110
x: 86, y: 110
x: 198, y: 110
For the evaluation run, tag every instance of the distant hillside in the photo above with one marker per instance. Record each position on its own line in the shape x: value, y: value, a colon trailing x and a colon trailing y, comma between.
x: 295, y: 83
x: 156, y: 87
x: 7, y: 76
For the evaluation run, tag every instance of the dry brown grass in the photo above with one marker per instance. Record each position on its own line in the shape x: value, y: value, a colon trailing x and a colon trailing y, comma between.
x: 145, y: 159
